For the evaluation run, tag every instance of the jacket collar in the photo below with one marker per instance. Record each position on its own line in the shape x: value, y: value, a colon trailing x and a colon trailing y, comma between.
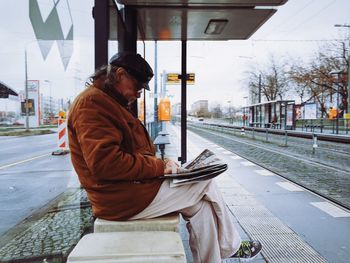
x: 115, y: 95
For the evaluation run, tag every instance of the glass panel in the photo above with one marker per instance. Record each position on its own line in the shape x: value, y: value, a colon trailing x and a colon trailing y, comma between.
x: 48, y: 48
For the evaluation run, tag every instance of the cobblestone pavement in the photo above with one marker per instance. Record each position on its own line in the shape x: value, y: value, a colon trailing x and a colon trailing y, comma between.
x: 50, y: 237
x: 294, y: 163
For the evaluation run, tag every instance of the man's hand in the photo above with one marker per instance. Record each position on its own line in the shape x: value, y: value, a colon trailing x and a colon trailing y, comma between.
x: 170, y: 166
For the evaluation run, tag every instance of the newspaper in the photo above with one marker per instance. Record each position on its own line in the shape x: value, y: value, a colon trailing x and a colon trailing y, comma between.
x: 204, y: 167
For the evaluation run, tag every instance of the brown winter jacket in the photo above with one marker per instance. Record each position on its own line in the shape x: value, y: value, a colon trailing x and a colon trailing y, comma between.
x: 112, y: 154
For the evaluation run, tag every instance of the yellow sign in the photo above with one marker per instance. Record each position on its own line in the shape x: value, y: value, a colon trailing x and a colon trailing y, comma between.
x: 62, y: 114
x: 164, y: 110
x: 175, y: 78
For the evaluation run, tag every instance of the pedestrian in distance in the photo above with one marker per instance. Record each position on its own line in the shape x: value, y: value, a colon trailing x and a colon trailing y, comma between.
x: 115, y: 160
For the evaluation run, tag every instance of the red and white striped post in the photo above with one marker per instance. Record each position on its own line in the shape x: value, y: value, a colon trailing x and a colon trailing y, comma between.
x: 62, y: 135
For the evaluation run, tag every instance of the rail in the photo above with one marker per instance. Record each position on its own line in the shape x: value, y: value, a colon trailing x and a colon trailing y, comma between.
x: 291, y: 133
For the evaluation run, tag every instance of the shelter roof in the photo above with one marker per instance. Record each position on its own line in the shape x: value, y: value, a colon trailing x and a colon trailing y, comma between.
x: 197, y: 19
x: 5, y: 91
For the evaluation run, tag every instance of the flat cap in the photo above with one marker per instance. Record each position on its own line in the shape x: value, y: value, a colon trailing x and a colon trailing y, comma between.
x: 135, y: 65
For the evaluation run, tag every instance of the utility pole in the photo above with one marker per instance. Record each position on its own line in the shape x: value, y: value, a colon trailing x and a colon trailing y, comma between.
x: 348, y: 89
x: 337, y: 72
x: 260, y: 108
x: 26, y: 89
x: 259, y: 97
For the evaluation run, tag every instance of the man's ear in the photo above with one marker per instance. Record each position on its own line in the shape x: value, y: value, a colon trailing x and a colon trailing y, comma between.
x: 119, y: 72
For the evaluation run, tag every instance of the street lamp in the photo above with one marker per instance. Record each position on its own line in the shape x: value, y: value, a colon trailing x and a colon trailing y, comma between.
x: 26, y: 104
x: 26, y: 89
x: 337, y: 72
x: 348, y: 99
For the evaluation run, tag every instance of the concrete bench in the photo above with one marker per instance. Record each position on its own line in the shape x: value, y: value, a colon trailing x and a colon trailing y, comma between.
x: 122, y: 247
x: 168, y: 222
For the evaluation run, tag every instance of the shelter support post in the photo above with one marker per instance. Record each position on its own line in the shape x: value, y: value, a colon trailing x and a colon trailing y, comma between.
x: 101, y: 17
x: 183, y: 157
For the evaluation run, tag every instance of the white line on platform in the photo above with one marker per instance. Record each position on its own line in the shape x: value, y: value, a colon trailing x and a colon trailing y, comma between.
x: 290, y: 187
x: 236, y: 157
x: 331, y: 209
x: 264, y: 172
x: 247, y: 163
x: 24, y: 161
x: 226, y: 152
x: 219, y: 148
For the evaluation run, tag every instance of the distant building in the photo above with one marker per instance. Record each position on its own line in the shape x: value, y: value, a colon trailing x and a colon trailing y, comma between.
x: 200, y: 108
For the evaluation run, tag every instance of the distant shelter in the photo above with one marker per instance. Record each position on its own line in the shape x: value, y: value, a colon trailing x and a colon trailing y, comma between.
x: 278, y: 114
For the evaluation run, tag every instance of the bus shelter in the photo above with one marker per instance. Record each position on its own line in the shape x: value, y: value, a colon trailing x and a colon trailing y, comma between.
x: 129, y: 21
x: 277, y: 114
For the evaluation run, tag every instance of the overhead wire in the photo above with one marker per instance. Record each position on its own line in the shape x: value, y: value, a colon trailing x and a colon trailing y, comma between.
x: 312, y: 17
x: 288, y: 19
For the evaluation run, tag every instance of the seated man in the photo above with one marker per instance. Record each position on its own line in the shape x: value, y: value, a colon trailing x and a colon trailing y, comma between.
x: 115, y: 160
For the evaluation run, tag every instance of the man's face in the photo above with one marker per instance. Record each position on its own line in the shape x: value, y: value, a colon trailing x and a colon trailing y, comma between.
x: 128, y: 86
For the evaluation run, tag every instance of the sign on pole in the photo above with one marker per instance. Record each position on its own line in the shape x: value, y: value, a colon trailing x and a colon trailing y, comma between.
x: 175, y: 78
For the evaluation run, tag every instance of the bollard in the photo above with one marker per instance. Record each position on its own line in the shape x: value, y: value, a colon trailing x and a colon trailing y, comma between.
x: 62, y: 135
x: 314, y: 145
x: 242, y: 131
x: 285, y: 138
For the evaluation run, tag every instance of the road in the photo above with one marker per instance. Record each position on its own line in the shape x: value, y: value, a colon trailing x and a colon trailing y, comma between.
x: 30, y: 176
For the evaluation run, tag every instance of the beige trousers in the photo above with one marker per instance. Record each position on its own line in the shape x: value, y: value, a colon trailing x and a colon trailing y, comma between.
x: 213, y: 236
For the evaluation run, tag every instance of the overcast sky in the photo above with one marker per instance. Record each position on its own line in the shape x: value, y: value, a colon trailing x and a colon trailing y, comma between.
x: 296, y: 30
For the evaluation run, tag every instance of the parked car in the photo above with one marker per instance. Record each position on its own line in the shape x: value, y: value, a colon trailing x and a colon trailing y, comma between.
x: 5, y: 123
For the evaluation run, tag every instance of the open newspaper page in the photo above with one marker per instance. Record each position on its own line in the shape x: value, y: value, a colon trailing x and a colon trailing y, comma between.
x: 204, y: 167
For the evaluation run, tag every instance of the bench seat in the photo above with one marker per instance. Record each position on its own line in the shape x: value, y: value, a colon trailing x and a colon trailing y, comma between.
x: 123, y: 247
x: 168, y: 222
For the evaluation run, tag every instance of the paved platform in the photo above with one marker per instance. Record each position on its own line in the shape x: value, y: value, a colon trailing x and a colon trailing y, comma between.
x: 293, y: 224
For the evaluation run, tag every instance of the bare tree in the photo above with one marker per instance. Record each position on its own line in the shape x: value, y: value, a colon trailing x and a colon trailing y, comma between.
x: 271, y: 82
x: 314, y: 81
x: 217, y: 112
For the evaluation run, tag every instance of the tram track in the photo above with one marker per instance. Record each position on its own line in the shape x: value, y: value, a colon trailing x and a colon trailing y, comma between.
x: 332, y: 183
x: 325, y: 146
x: 325, y: 154
x: 290, y: 155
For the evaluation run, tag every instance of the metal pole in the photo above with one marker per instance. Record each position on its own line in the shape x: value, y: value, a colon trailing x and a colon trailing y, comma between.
x: 155, y: 89
x: 26, y: 89
x: 259, y: 88
x: 144, y: 91
x: 183, y: 102
x: 348, y: 89
x: 337, y: 119
x: 314, y: 144
x: 285, y: 138
x: 101, y: 19
x: 348, y: 109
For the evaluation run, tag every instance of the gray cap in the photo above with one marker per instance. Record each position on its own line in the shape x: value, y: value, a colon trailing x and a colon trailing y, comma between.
x: 135, y: 66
